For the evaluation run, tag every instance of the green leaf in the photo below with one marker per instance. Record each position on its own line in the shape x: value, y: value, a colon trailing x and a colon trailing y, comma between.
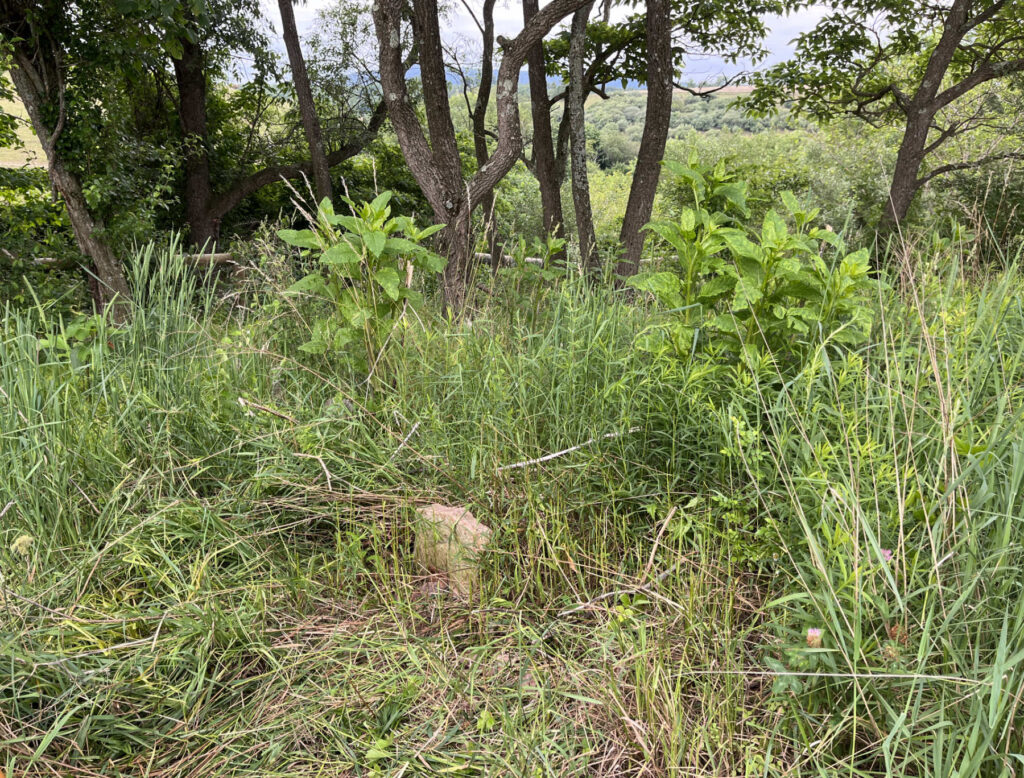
x: 350, y: 223
x: 402, y: 246
x: 739, y: 244
x: 302, y: 238
x: 313, y: 284
x: 341, y: 254
x: 314, y: 347
x: 736, y: 193
x: 855, y: 265
x: 773, y: 230
x: 670, y: 232
x: 381, y: 200
x: 428, y: 260
x: 354, y: 313
x: 427, y: 232
x: 665, y: 286
x: 687, y: 220
x: 748, y: 292
x: 716, y: 288
x: 375, y: 241
x: 389, y: 281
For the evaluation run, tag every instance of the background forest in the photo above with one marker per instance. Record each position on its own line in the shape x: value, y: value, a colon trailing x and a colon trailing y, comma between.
x: 732, y: 368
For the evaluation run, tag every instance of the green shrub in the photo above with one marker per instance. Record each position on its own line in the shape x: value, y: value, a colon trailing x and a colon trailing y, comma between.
x: 746, y: 294
x: 368, y: 268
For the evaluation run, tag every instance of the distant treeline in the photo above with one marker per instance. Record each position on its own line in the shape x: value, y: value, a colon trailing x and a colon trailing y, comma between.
x: 615, y: 125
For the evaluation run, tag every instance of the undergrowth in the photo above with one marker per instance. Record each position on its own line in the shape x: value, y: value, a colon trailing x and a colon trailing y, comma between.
x: 205, y: 541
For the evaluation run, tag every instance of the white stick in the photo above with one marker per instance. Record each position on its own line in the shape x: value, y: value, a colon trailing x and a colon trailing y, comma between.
x: 547, y: 457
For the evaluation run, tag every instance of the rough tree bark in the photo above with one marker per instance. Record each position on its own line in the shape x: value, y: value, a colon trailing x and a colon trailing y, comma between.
x: 38, y: 79
x: 920, y: 114
x: 544, y: 167
x: 307, y: 109
x: 436, y: 164
x: 905, y: 183
x: 658, y: 32
x: 574, y: 105
x: 190, y: 74
x: 479, y: 118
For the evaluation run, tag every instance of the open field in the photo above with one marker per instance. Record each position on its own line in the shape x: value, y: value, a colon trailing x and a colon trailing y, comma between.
x: 31, y: 153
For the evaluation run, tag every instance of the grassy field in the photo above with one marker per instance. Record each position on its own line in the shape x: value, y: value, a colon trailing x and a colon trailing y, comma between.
x: 31, y: 153
x: 206, y: 543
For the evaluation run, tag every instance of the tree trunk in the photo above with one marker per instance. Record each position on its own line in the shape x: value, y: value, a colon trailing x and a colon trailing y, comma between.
x: 436, y: 165
x: 457, y: 245
x: 479, y: 117
x: 190, y: 74
x: 543, y: 148
x: 574, y: 104
x: 920, y: 112
x: 905, y: 183
x: 307, y: 109
x: 110, y: 287
x: 658, y: 32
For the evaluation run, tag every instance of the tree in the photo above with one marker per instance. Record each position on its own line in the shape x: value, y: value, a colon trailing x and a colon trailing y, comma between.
x: 477, y: 110
x: 307, y: 109
x: 574, y: 107
x: 914, y: 64
x: 435, y: 163
x: 659, y: 77
x: 648, y: 48
x: 190, y: 71
x: 224, y: 27
x: 37, y: 38
x: 544, y: 165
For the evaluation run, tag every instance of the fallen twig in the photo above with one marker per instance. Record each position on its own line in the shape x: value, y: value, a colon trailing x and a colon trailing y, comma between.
x: 327, y: 472
x: 563, y: 452
x: 250, y: 404
x: 404, y: 440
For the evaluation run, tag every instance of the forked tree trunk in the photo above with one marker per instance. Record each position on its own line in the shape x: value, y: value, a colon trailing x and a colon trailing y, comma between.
x: 544, y: 167
x: 658, y: 32
x: 110, y: 287
x: 190, y: 74
x: 307, y: 109
x: 574, y: 104
x: 436, y: 164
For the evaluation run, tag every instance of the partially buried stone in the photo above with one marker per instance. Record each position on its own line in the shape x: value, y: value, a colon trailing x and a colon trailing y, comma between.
x: 450, y: 540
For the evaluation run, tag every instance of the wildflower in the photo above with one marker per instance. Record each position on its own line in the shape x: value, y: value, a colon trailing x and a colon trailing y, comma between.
x: 814, y: 638
x: 22, y: 545
x: 887, y: 554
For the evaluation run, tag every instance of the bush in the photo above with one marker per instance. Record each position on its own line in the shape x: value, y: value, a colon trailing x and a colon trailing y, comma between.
x: 745, y: 295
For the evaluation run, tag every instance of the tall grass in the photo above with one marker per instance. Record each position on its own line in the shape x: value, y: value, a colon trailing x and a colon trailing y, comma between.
x: 220, y: 580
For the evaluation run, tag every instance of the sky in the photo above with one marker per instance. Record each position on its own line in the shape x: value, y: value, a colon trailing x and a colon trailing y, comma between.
x: 508, y: 21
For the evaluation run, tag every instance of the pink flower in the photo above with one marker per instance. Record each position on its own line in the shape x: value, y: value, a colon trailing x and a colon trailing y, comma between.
x: 814, y: 638
x: 887, y: 554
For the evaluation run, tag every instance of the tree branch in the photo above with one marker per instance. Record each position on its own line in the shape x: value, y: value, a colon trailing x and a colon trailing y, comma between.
x: 224, y: 202
x: 941, y: 170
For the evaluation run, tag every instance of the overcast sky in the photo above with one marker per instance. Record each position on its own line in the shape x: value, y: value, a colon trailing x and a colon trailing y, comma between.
x: 508, y: 21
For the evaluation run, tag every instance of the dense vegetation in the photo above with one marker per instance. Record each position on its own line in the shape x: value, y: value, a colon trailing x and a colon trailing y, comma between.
x: 747, y: 431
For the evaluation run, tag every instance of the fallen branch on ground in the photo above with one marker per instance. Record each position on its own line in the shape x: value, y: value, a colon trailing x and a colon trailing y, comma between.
x: 563, y: 452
